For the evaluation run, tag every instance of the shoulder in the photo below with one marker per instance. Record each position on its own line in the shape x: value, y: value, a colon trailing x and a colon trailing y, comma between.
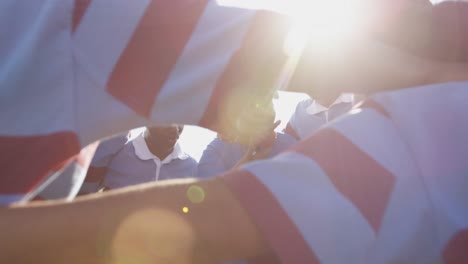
x: 284, y: 138
x: 108, y: 148
x: 190, y: 160
x: 188, y: 163
x: 114, y: 142
x: 302, y: 111
x: 217, y: 144
x: 305, y: 103
x: 215, y: 152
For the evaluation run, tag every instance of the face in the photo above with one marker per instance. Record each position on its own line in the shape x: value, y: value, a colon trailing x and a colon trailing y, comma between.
x: 165, y: 135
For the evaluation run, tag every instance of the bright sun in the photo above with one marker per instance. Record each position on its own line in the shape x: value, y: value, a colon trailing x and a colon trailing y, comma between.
x: 326, y: 22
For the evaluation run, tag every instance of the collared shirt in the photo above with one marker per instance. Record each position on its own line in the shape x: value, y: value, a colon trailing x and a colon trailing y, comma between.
x: 310, y: 115
x: 119, y: 164
x: 220, y: 156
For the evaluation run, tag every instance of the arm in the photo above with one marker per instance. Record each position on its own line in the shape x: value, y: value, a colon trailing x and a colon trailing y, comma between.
x: 324, y: 75
x: 398, y: 55
x: 436, y: 31
x: 211, y: 162
x: 259, y: 150
x: 132, y: 224
x: 104, y: 155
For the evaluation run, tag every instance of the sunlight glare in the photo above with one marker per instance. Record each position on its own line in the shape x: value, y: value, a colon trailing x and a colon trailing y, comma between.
x: 324, y: 23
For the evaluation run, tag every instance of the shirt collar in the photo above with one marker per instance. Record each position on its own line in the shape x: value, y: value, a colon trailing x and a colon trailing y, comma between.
x: 316, y: 108
x: 142, y: 151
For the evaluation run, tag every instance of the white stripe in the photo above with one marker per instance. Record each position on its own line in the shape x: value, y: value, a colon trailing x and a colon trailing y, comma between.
x: 378, y: 137
x: 407, y: 229
x: 433, y: 120
x: 218, y: 34
x: 332, y: 226
x: 99, y: 115
x: 103, y: 34
x: 35, y: 68
x: 417, y: 223
x: 6, y: 199
x: 66, y: 185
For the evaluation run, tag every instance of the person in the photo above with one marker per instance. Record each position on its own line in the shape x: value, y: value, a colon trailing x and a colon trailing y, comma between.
x: 310, y: 115
x: 107, y: 59
x: 414, y: 216
x: 152, y: 155
x: 223, y: 154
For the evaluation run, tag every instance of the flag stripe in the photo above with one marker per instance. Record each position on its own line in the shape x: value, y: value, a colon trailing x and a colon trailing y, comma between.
x: 257, y: 63
x: 352, y: 171
x: 78, y: 12
x: 282, y: 234
x: 27, y: 160
x: 217, y: 36
x: 456, y: 250
x: 328, y: 221
x: 65, y: 186
x: 95, y: 174
x: 382, y: 140
x: 152, y: 52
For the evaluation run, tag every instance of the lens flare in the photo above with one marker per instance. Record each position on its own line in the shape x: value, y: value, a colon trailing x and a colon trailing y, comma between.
x: 142, y: 237
x: 195, y: 194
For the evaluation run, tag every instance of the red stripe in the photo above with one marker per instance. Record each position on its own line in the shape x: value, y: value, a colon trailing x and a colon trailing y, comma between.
x: 371, y: 103
x: 96, y: 174
x: 152, y: 52
x: 354, y: 173
x: 272, y: 221
x: 78, y: 12
x: 456, y: 250
x: 266, y: 259
x: 27, y: 160
x: 39, y: 198
x: 254, y: 68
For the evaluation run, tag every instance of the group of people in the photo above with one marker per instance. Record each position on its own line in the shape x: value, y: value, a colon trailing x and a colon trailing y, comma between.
x: 154, y: 153
x: 384, y: 183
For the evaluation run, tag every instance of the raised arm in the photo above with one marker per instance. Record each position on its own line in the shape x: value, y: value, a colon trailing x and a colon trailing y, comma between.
x: 175, y: 222
x: 415, y: 44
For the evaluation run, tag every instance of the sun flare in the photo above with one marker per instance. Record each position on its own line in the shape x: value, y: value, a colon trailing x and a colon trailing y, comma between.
x: 325, y: 22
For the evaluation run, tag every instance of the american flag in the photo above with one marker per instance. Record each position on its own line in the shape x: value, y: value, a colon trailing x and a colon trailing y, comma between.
x: 76, y: 71
x: 387, y: 183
